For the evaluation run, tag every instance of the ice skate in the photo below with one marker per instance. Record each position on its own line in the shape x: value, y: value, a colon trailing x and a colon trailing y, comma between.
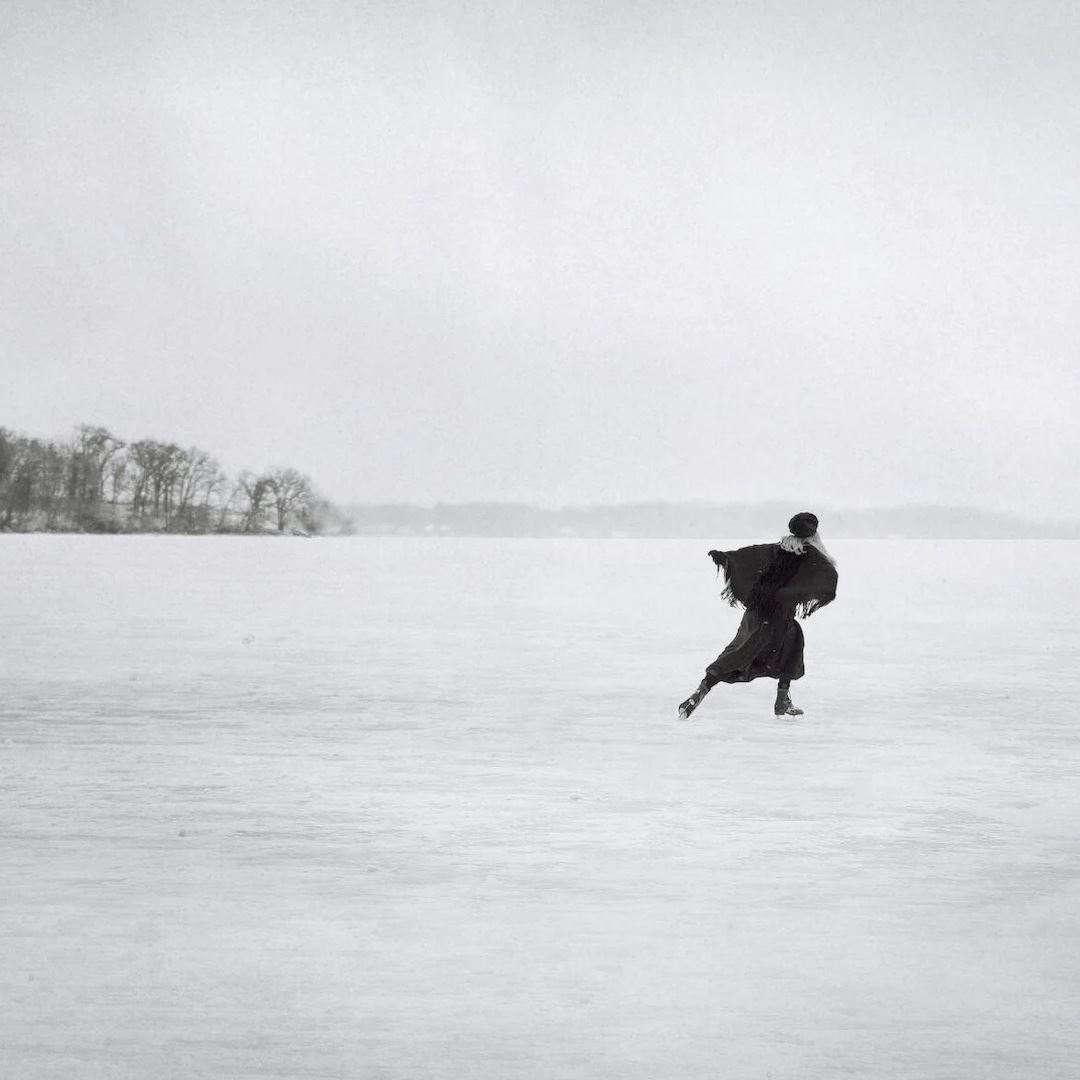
x: 784, y: 706
x: 692, y: 702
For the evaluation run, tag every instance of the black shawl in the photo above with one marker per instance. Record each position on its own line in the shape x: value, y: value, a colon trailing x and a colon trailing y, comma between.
x: 769, y: 581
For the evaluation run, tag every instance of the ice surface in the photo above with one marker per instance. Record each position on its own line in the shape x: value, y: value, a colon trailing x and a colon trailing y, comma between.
x: 421, y: 809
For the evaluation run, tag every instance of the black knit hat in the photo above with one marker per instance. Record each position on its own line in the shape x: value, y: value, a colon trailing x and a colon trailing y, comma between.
x: 803, y: 525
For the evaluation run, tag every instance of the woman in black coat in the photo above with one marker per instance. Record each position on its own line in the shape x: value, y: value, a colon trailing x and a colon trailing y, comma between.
x: 774, y: 583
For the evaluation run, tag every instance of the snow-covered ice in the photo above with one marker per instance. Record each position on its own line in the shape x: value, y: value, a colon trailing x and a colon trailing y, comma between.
x: 398, y: 809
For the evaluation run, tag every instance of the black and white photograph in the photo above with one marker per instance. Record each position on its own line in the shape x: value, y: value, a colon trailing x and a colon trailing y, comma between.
x: 539, y: 540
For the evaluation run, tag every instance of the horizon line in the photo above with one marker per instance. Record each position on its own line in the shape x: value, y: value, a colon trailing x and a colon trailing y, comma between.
x: 705, y: 504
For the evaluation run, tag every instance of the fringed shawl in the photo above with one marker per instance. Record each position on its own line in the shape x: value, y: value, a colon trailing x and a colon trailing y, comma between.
x: 767, y: 580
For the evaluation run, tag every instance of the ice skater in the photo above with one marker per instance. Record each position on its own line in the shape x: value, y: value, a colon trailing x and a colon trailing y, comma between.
x: 774, y: 583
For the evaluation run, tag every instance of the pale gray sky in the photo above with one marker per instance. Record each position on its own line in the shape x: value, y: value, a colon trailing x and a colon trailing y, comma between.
x: 574, y: 252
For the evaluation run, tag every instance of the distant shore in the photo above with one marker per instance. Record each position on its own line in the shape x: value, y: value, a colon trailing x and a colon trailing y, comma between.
x: 701, y: 521
x: 70, y: 531
x: 95, y: 482
x: 628, y: 521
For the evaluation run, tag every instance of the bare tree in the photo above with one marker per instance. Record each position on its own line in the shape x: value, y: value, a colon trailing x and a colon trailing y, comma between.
x: 164, y: 480
x: 44, y: 481
x: 256, y: 490
x: 92, y: 451
x: 9, y: 457
x: 16, y: 479
x: 118, y: 470
x: 228, y: 506
x: 196, y: 474
x: 86, y: 459
x: 141, y: 455
x: 214, y: 484
x: 293, y: 495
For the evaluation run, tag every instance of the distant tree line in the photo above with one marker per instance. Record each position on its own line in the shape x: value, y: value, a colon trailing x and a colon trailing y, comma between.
x: 96, y: 482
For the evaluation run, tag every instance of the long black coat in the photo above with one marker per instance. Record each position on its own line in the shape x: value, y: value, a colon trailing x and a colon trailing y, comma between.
x: 771, y: 648
x: 769, y: 642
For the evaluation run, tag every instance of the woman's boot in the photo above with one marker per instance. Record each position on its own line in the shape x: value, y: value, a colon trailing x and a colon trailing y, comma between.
x: 693, y: 701
x: 783, y: 706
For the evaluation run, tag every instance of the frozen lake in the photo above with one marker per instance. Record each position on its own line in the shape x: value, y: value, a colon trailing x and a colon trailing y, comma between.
x: 421, y: 809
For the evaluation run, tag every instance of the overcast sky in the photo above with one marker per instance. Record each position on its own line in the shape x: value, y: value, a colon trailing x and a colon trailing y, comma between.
x: 564, y: 253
